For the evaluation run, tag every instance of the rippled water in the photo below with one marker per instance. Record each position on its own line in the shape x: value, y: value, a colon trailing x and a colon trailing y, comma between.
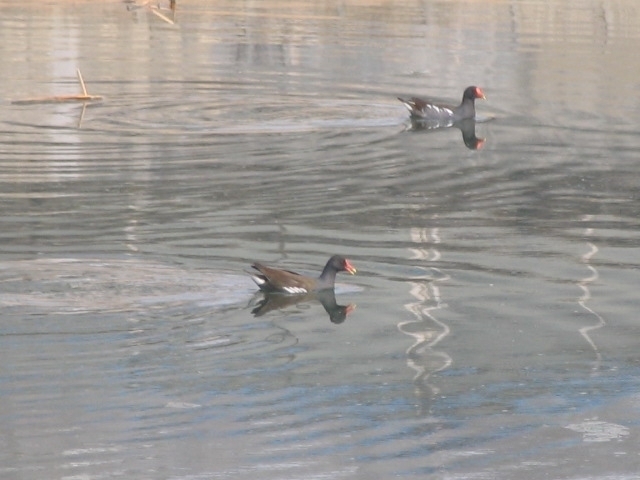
x: 496, y: 328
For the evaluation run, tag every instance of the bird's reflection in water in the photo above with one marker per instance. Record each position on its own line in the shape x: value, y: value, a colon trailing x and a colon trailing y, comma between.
x: 467, y: 127
x: 267, y: 302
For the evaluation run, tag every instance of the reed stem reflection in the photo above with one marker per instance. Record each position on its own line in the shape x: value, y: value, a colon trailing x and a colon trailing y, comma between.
x: 426, y: 329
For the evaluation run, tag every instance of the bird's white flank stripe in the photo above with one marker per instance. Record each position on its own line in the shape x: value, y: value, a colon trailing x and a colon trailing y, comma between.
x: 295, y: 290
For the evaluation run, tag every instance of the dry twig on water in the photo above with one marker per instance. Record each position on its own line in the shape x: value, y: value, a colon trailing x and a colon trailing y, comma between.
x: 84, y: 97
x: 157, y: 10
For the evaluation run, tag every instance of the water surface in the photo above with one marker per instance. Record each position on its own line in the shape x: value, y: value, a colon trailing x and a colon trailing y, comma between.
x: 495, y: 333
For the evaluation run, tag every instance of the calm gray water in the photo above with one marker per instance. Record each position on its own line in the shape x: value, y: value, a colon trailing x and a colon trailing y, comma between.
x: 496, y: 328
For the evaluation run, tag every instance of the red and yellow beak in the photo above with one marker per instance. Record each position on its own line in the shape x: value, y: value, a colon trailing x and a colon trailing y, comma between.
x: 349, y: 268
x: 480, y: 93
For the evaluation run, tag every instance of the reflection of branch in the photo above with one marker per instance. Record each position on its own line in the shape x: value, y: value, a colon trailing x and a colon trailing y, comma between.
x: 420, y: 235
x: 586, y: 296
x: 420, y: 355
x: 84, y: 109
x: 426, y: 337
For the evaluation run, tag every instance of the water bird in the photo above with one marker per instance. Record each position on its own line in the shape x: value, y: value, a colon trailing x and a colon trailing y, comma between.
x: 271, y: 279
x: 444, y: 115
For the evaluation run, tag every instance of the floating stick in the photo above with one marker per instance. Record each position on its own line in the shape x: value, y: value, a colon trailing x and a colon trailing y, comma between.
x: 84, y: 89
x: 84, y: 97
x: 156, y: 12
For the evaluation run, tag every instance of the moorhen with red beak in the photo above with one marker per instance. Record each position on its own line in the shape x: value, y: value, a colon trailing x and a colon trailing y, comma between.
x: 284, y: 281
x: 426, y: 111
